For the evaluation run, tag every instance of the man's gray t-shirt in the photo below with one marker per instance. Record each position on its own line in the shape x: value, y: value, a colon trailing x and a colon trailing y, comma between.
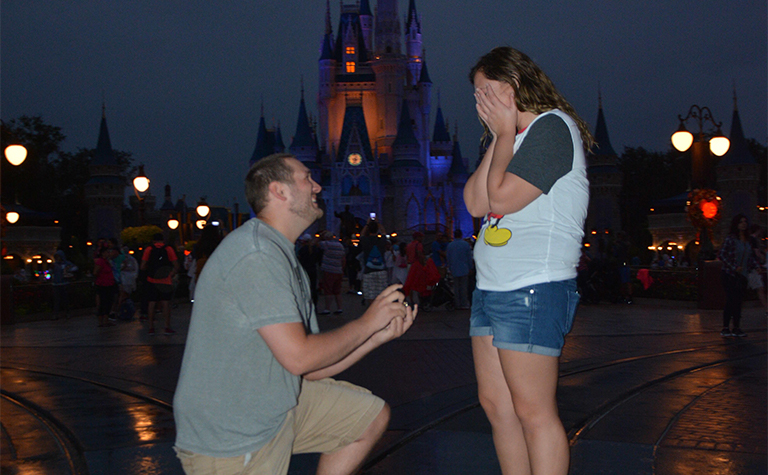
x: 233, y: 395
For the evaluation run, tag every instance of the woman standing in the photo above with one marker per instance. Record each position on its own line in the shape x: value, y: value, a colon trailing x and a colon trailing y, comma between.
x: 531, y: 189
x: 738, y: 259
x: 373, y: 246
x: 106, y: 286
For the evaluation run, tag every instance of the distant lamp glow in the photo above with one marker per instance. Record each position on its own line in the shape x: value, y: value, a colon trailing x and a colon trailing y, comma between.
x: 682, y: 139
x: 202, y: 208
x: 200, y: 223
x: 719, y: 144
x: 15, y: 154
x: 173, y: 223
x: 12, y: 217
x: 141, y: 182
x: 708, y: 209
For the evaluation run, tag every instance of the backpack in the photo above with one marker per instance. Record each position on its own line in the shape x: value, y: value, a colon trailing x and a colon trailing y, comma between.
x: 159, y: 265
x: 375, y: 260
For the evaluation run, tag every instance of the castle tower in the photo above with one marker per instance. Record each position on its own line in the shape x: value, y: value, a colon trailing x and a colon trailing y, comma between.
x: 737, y: 178
x: 105, y: 189
x: 366, y: 24
x: 440, y: 150
x: 387, y: 28
x: 304, y: 145
x: 413, y: 44
x: 407, y: 175
x: 604, y: 180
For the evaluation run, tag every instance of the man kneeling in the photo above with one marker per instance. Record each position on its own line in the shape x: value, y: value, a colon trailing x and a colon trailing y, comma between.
x: 255, y: 381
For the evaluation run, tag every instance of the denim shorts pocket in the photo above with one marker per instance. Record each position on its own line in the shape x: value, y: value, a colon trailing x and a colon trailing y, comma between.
x: 573, y: 303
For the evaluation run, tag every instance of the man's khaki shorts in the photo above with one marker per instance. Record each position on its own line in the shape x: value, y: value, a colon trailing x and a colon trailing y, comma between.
x: 330, y: 415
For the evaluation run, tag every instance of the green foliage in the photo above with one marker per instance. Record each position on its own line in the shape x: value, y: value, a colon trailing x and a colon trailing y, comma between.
x: 139, y: 235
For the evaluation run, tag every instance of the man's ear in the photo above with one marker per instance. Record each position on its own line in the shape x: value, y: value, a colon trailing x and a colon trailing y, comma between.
x: 278, y: 190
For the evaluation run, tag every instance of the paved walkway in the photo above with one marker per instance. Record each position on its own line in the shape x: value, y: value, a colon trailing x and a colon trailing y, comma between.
x: 649, y: 388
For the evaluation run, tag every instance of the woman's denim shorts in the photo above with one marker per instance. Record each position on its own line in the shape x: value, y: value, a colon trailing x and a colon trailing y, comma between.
x: 533, y: 319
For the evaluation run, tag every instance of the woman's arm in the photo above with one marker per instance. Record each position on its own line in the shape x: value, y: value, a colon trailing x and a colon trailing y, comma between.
x: 506, y: 192
x: 476, y: 189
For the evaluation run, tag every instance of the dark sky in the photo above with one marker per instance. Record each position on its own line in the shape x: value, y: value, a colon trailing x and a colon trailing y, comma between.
x: 184, y: 80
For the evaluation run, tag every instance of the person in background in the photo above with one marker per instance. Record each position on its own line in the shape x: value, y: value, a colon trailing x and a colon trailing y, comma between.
x: 332, y: 268
x: 104, y: 281
x: 310, y: 256
x: 62, y: 270
x: 161, y: 264
x: 531, y: 190
x: 738, y: 260
x: 458, y: 256
x: 129, y: 272
x: 438, y: 252
x: 209, y: 241
x: 373, y: 246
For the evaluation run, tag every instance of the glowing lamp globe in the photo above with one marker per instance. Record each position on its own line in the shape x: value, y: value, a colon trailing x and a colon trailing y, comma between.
x: 173, y: 223
x: 15, y: 154
x: 141, y: 183
x: 719, y: 145
x: 203, y: 210
x: 200, y: 223
x: 682, y: 140
x: 12, y: 216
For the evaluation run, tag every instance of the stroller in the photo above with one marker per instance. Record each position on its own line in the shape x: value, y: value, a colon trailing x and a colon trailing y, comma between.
x: 442, y: 294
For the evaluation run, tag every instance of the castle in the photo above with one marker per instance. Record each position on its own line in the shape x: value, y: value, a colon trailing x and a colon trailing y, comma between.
x: 372, y: 148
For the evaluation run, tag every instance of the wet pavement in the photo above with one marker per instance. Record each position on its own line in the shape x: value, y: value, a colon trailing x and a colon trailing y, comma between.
x: 648, y: 388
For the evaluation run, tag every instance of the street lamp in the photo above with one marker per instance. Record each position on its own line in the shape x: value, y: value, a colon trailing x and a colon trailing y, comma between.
x: 15, y: 154
x: 12, y: 217
x: 202, y: 208
x: 141, y: 185
x: 702, y: 169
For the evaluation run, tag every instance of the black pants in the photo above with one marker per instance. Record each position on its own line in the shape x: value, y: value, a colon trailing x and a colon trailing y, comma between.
x: 735, y: 287
x: 106, y: 298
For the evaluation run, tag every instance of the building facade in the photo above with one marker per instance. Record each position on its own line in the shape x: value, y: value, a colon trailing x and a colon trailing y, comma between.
x: 374, y: 147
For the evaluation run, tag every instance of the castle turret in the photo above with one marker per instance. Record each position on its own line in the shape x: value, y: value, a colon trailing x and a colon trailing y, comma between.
x: 304, y: 144
x: 413, y: 45
x: 105, y: 189
x: 737, y: 177
x: 387, y: 28
x: 604, y: 179
x: 407, y: 174
x: 366, y: 24
x: 440, y: 150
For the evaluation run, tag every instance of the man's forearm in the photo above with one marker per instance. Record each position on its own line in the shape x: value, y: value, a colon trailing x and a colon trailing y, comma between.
x: 356, y: 355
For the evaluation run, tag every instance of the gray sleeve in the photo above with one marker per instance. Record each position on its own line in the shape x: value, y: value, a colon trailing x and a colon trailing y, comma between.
x: 546, y: 153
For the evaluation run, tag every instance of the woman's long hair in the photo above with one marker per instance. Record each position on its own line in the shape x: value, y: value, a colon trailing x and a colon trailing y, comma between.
x: 734, y: 229
x: 534, y: 91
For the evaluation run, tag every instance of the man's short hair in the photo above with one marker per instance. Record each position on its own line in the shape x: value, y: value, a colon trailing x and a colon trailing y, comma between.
x: 265, y: 171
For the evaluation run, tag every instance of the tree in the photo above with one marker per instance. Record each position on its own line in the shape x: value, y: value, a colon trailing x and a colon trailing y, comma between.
x: 648, y: 176
x: 51, y: 180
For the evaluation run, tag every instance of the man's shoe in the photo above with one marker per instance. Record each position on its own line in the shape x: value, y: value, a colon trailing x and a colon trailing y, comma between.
x: 726, y: 332
x: 325, y: 312
x: 737, y: 332
x: 170, y: 331
x: 338, y: 311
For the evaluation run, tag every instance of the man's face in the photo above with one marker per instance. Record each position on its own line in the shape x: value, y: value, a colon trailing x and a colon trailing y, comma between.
x: 304, y: 190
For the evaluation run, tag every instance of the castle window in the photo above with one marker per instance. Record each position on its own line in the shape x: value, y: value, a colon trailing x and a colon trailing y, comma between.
x: 350, y: 66
x: 350, y: 50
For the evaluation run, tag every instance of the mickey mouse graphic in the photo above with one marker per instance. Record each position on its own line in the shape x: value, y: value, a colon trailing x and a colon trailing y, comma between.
x: 493, y: 236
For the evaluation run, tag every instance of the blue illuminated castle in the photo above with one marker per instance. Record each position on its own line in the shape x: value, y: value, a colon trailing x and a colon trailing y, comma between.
x: 375, y: 146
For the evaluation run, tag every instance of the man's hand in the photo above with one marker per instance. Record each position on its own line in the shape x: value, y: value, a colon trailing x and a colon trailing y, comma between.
x: 397, y: 327
x: 386, y: 307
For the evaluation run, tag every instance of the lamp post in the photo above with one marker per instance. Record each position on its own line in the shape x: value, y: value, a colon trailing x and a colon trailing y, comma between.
x: 702, y: 166
x: 203, y: 210
x: 140, y: 186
